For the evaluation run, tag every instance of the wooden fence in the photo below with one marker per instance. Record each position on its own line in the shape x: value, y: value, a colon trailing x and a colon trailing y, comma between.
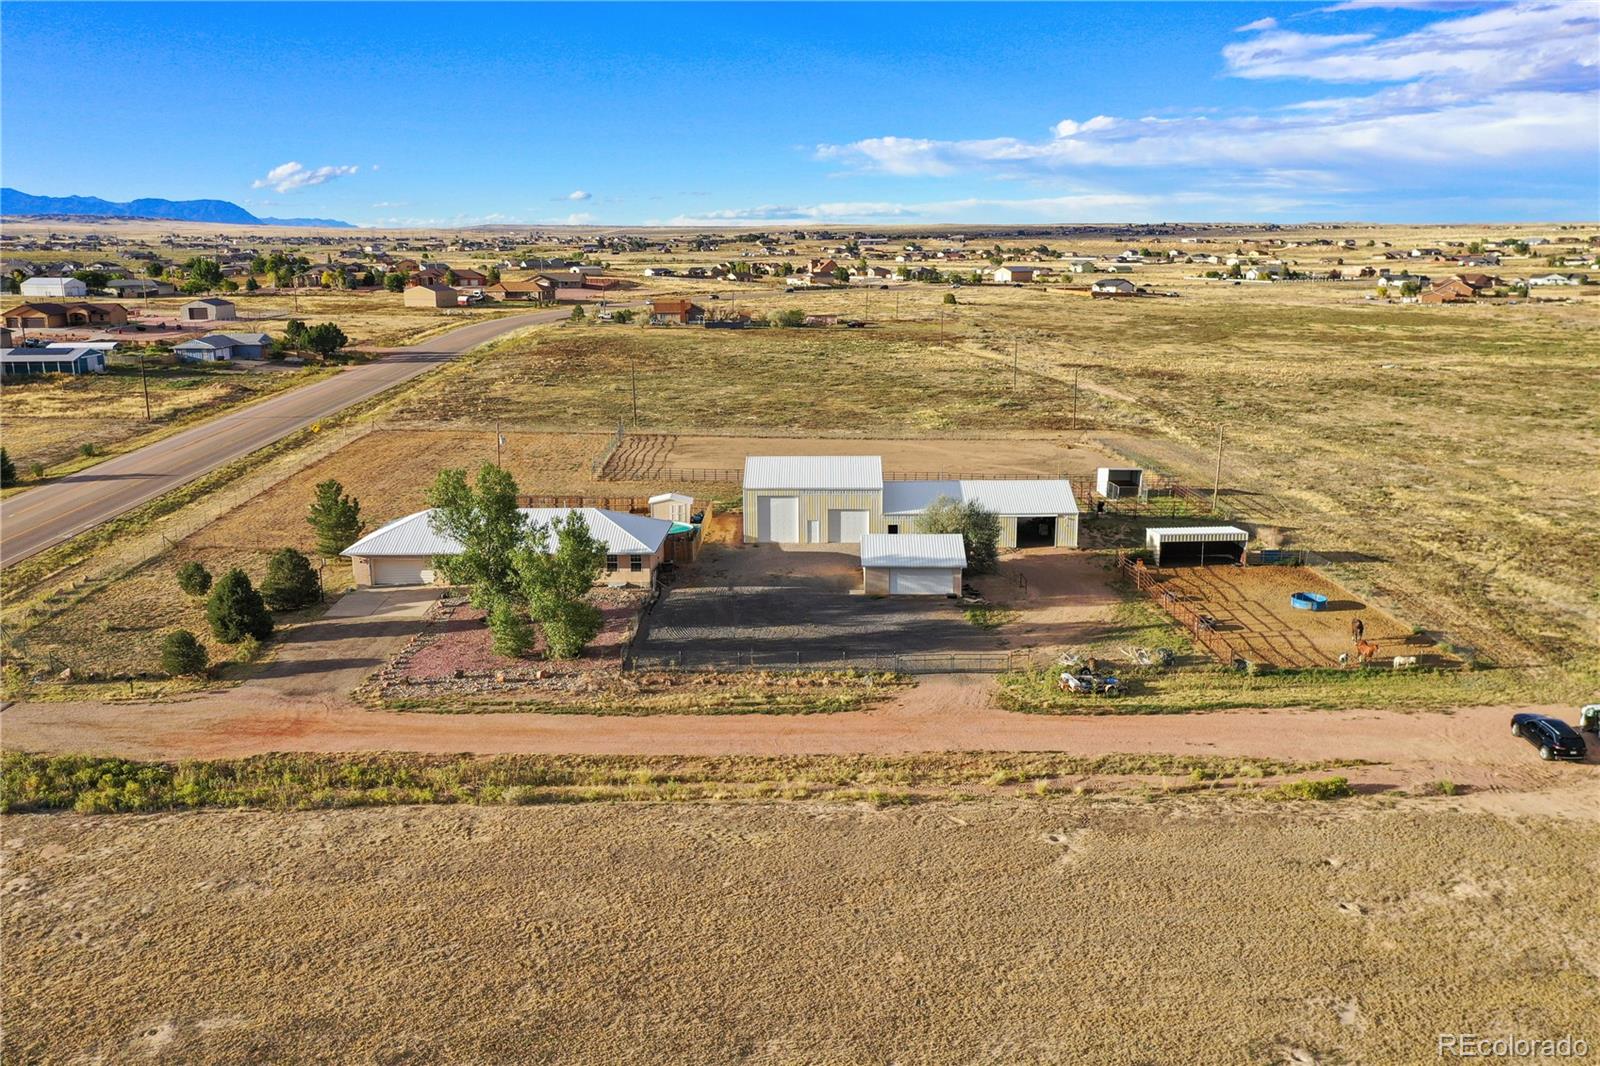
x: 1199, y: 626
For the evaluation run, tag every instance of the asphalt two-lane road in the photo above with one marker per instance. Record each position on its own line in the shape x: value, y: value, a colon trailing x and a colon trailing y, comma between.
x: 40, y: 518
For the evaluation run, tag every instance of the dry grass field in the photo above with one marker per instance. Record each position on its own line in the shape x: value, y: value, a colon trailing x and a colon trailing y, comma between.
x: 369, y: 319
x: 47, y: 420
x: 1194, y: 930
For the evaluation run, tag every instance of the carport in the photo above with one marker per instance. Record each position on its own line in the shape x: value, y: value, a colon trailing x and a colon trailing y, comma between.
x: 1196, y: 545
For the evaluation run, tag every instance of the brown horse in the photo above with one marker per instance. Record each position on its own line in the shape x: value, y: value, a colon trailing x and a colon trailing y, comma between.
x: 1365, y: 650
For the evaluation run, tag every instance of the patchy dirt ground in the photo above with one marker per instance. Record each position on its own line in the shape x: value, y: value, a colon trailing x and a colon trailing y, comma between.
x: 1007, y: 932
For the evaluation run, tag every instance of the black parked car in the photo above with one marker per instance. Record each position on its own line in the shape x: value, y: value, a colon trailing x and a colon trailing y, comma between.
x: 1554, y: 738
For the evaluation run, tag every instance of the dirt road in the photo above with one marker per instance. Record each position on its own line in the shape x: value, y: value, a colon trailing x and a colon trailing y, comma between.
x: 50, y: 514
x: 1470, y: 746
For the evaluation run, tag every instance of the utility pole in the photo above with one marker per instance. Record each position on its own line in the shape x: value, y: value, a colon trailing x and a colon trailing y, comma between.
x: 145, y: 385
x: 1216, y: 484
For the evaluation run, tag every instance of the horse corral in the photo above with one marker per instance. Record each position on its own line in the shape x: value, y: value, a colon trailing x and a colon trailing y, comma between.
x: 1250, y: 609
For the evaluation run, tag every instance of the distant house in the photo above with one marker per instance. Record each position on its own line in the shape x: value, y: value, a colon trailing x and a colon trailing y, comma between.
x: 514, y: 290
x: 222, y: 347
x: 137, y: 287
x: 37, y: 315
x: 1557, y: 279
x: 1449, y: 291
x: 1013, y: 275
x: 585, y: 269
x: 54, y: 287
x: 1113, y: 287
x: 211, y: 309
x: 467, y: 278
x: 659, y: 272
x: 431, y: 296
x: 53, y: 359
x: 675, y: 312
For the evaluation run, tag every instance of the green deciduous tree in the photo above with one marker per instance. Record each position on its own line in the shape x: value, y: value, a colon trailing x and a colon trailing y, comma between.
x: 182, y: 653
x: 291, y: 583
x: 483, y: 519
x: 336, y: 517
x: 236, y: 611
x: 979, y: 528
x: 394, y: 281
x: 510, y: 631
x: 201, y: 275
x: 790, y: 317
x: 194, y: 578
x: 556, y: 567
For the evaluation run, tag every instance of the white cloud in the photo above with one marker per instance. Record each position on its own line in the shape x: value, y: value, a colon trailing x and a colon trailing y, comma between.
x: 578, y: 194
x: 1258, y: 24
x: 1499, y: 85
x: 289, y: 176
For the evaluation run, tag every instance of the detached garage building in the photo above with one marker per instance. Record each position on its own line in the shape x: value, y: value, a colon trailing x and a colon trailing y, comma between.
x: 838, y: 499
x: 402, y: 552
x: 912, y: 564
x: 1196, y: 545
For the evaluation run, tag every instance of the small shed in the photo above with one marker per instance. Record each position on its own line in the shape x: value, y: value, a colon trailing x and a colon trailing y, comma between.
x: 432, y: 296
x: 1196, y: 545
x: 912, y: 564
x: 211, y: 309
x: 54, y: 287
x: 673, y: 506
x: 1119, y: 482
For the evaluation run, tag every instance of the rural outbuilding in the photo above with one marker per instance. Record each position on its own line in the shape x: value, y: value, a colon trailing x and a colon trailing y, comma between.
x: 1119, y: 482
x: 402, y: 552
x: 912, y: 564
x: 54, y: 287
x: 1033, y: 512
x: 211, y: 309
x: 812, y: 499
x: 431, y: 296
x: 54, y: 359
x: 672, y: 506
x: 1196, y: 545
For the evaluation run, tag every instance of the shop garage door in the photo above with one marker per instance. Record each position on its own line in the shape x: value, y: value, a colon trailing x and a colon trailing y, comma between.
x: 778, y: 519
x: 846, y: 527
x: 905, y: 582
x: 406, y: 571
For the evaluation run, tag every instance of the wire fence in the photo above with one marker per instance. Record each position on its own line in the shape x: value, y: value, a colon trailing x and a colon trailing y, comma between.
x: 1201, y: 627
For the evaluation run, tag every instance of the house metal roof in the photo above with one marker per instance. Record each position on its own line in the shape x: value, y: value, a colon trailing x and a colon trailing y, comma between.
x: 929, y: 550
x: 1024, y: 497
x: 1193, y: 534
x: 622, y: 534
x: 817, y: 472
x: 56, y: 353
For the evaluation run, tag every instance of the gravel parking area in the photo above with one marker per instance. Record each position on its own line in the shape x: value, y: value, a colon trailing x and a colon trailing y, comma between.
x: 775, y: 605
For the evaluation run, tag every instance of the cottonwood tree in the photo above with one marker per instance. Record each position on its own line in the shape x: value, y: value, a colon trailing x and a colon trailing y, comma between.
x: 979, y: 528
x: 555, y: 581
x: 336, y: 517
x: 483, y: 519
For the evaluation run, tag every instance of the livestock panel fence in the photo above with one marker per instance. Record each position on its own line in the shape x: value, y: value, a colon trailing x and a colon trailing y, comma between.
x: 1199, y: 626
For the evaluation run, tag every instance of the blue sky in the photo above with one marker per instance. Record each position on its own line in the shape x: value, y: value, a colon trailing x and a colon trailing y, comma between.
x: 441, y: 114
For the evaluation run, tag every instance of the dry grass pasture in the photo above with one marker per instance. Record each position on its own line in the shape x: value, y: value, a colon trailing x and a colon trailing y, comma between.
x: 46, y: 420
x: 1202, y: 931
x: 369, y: 319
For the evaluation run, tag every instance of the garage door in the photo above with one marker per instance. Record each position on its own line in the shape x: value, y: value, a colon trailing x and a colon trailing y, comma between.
x: 846, y: 527
x: 407, y: 571
x: 920, y: 582
x: 778, y: 519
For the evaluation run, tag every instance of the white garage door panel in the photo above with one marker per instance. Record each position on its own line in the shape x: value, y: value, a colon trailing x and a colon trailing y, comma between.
x: 778, y: 519
x: 846, y: 527
x: 920, y: 582
x: 400, y: 571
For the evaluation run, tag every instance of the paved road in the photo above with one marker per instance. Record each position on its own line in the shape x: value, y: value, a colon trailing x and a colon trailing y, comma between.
x: 40, y: 518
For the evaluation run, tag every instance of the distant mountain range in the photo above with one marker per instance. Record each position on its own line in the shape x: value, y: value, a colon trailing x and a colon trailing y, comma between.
x: 14, y: 202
